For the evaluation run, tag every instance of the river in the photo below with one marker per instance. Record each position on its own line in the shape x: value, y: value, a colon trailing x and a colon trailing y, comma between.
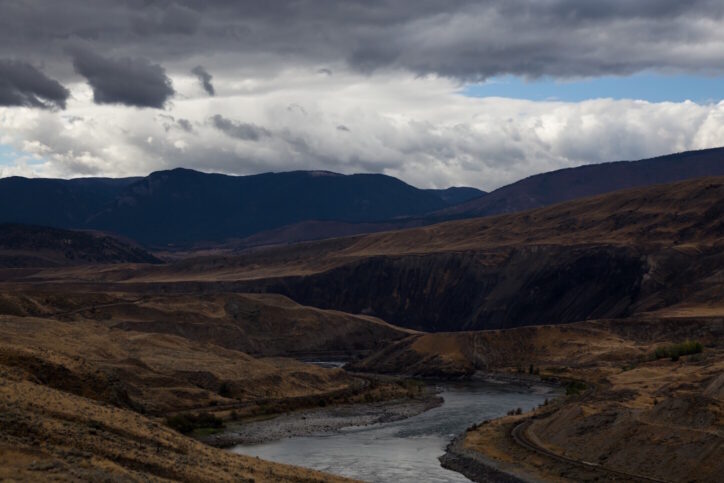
x: 406, y: 450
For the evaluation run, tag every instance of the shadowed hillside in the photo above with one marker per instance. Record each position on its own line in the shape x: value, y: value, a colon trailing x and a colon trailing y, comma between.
x: 56, y: 202
x: 567, y: 184
x: 38, y: 246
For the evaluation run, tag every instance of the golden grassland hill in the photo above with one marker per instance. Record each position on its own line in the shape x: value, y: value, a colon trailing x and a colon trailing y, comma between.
x: 153, y: 373
x: 51, y: 435
x: 577, y: 345
x: 610, y: 256
x: 258, y: 324
x: 86, y: 396
x: 661, y: 420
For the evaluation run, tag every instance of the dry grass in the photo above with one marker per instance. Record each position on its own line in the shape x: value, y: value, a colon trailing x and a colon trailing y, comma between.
x: 50, y: 435
x: 657, y: 418
x: 158, y: 372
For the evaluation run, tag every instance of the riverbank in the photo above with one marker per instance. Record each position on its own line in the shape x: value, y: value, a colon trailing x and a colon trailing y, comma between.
x: 318, y: 421
x: 407, y: 449
x: 476, y: 466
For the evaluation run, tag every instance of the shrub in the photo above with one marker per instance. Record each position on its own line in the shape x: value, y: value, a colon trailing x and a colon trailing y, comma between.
x: 575, y: 387
x: 225, y: 390
x: 186, y: 423
x: 674, y: 351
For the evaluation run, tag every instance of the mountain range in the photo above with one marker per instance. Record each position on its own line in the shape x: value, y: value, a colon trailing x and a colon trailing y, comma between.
x: 183, y: 208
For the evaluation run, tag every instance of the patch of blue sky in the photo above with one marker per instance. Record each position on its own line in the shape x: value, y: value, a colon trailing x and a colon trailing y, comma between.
x: 9, y: 156
x: 646, y: 86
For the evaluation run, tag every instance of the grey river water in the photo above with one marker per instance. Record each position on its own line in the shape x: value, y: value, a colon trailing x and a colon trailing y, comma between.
x: 407, y: 450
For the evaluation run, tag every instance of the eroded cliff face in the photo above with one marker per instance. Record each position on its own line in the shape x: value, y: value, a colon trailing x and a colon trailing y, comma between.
x: 479, y: 290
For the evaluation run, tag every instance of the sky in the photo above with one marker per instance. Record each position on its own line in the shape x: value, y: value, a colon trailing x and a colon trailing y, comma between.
x: 437, y: 93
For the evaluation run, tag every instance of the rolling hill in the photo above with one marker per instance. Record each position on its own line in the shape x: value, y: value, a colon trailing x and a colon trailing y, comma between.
x: 186, y: 207
x: 24, y: 246
x: 589, y: 180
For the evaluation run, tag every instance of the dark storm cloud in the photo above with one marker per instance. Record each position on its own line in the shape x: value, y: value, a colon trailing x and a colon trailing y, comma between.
x: 174, y: 19
x: 21, y: 84
x: 458, y: 38
x: 205, y: 79
x: 133, y: 82
x: 239, y: 130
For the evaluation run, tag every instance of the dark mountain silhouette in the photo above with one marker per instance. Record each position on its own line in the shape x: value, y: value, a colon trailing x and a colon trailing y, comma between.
x: 23, y: 246
x: 56, y: 202
x: 457, y: 194
x: 594, y: 179
x: 186, y: 206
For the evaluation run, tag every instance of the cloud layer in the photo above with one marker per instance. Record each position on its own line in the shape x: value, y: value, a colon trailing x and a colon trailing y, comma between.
x: 465, y: 39
x: 373, y: 85
x: 21, y: 84
x: 133, y: 82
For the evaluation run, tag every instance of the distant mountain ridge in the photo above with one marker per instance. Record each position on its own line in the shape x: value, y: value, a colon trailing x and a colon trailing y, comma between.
x: 457, y: 194
x: 185, y: 208
x: 592, y: 179
x: 56, y: 202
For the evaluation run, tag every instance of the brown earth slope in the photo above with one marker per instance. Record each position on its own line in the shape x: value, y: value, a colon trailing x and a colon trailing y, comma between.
x: 152, y: 373
x: 257, y: 324
x: 82, y: 401
x: 51, y: 435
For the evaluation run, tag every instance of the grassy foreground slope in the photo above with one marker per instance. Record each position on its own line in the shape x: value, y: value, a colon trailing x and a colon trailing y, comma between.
x: 80, y: 401
x: 51, y: 435
x: 152, y: 373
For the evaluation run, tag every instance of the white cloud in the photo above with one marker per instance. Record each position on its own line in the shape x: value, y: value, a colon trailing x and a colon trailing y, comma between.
x: 420, y: 129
